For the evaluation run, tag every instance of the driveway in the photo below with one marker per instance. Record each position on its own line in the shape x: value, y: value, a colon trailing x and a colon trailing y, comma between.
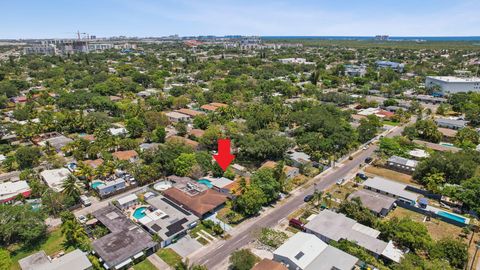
x: 186, y: 246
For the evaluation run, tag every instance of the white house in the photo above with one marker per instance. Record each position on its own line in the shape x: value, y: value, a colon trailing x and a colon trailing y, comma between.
x: 54, y: 178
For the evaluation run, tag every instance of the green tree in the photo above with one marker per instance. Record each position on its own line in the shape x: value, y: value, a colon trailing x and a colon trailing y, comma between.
x: 354, y: 209
x: 250, y: 202
x: 75, y: 235
x: 467, y: 138
x: 406, y: 233
x: 454, y: 251
x: 20, y: 224
x: 5, y: 260
x: 27, y: 157
x: 184, y: 164
x: 243, y: 259
x: 159, y: 134
x: 71, y: 188
x: 368, y: 128
x: 265, y: 181
x: 135, y: 127
x: 201, y: 122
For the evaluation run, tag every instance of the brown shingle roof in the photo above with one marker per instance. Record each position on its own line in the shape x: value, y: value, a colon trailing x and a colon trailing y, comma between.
x: 189, y: 112
x: 217, y: 104
x: 267, y: 264
x: 208, y: 107
x: 197, y: 132
x: 199, y: 204
x: 93, y: 163
x: 183, y: 140
x: 125, y: 155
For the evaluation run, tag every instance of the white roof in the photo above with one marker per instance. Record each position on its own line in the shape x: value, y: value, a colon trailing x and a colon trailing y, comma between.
x: 54, y: 178
x: 455, y: 79
x: 418, y: 153
x: 368, y: 111
x: 308, y: 244
x: 12, y: 189
x: 126, y: 199
x: 2, y: 158
x: 177, y: 115
x: 391, y: 187
x: 392, y: 252
x: 220, y: 182
x: 75, y: 260
x: 117, y: 131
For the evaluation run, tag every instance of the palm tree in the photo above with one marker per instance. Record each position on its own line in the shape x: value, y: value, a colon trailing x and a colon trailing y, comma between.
x: 75, y: 234
x: 317, y: 197
x: 70, y: 187
x: 328, y: 199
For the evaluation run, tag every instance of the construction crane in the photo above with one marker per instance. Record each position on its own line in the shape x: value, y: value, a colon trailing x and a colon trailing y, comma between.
x: 85, y: 35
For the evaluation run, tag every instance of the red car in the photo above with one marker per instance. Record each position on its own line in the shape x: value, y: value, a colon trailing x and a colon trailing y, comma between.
x: 297, y: 224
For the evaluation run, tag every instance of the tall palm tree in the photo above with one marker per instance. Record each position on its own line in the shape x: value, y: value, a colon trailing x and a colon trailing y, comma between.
x: 317, y: 197
x: 71, y: 188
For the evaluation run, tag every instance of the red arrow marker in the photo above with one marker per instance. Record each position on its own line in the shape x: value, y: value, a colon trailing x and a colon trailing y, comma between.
x: 224, y: 157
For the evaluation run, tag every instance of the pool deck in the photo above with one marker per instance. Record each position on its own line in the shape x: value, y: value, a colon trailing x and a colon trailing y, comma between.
x: 436, y: 210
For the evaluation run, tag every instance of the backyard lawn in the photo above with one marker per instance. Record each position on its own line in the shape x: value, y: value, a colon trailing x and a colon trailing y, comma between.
x: 437, y: 228
x: 144, y: 265
x: 52, y: 245
x: 169, y: 256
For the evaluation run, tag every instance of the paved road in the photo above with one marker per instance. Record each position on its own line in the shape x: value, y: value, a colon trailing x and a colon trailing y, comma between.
x: 212, y: 255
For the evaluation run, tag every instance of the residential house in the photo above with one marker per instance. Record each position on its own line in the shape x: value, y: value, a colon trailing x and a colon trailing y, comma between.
x: 267, y: 264
x: 121, y: 131
x: 127, y: 201
x: 388, y: 64
x: 95, y: 163
x: 195, y: 145
x: 190, y: 112
x: 291, y: 172
x: 299, y: 158
x: 402, y: 164
x: 390, y: 188
x: 54, y: 139
x: 129, y: 155
x: 75, y: 260
x: 54, y: 178
x: 176, y: 117
x: 240, y: 170
x: 199, y: 203
x: 378, y: 203
x: 10, y: 190
x: 126, y: 242
x: 110, y: 187
x: 451, y: 123
x: 305, y: 251
x: 438, y: 147
x: 330, y: 226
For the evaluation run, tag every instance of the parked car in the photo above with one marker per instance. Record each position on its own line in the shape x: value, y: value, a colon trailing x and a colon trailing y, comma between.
x: 297, y: 224
x: 85, y: 200
x: 368, y: 160
x: 340, y: 181
x: 308, y: 198
x: 82, y: 219
x: 362, y: 176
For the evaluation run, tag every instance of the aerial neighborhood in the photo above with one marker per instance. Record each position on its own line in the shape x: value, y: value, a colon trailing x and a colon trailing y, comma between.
x: 345, y: 154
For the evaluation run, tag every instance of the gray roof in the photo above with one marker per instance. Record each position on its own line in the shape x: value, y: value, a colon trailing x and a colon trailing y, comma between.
x: 75, y: 260
x: 451, y: 122
x: 391, y: 187
x: 173, y: 220
x: 125, y: 239
x: 333, y: 258
x: 403, y: 161
x: 336, y: 226
x: 372, y: 200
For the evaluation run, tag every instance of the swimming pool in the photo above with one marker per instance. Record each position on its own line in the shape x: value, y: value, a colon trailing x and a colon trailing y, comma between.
x: 206, y: 182
x: 139, y: 213
x: 452, y: 216
x: 94, y: 185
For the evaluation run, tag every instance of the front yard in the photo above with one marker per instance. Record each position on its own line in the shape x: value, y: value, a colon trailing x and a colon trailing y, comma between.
x: 169, y: 256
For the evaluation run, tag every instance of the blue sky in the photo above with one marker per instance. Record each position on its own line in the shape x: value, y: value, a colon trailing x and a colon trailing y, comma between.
x: 57, y: 18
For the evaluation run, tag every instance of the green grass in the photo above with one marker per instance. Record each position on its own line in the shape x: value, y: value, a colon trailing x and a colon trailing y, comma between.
x: 169, y: 256
x: 144, y: 265
x: 390, y: 123
x: 51, y: 245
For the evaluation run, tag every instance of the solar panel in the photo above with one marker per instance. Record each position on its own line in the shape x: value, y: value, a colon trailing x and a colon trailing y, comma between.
x: 175, y: 227
x: 299, y: 255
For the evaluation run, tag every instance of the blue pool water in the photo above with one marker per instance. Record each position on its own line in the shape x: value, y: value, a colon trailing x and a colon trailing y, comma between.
x: 96, y: 184
x: 205, y: 182
x: 451, y: 216
x: 139, y: 212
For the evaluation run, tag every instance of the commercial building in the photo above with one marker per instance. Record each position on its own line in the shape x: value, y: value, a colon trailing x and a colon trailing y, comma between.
x: 10, y: 190
x: 54, y: 178
x: 125, y: 243
x: 402, y: 164
x: 331, y: 226
x: 452, y: 84
x: 391, y: 188
x: 75, y: 260
x: 305, y: 251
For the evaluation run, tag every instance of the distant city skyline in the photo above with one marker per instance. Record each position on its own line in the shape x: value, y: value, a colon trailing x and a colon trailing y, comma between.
x: 143, y: 18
